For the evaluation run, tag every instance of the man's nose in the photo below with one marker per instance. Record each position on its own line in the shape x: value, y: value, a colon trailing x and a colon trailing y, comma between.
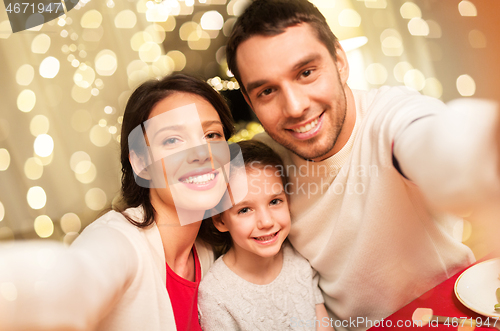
x: 296, y: 100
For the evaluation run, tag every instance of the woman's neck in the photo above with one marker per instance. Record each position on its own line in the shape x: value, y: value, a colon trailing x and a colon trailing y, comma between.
x: 254, y: 268
x: 177, y: 240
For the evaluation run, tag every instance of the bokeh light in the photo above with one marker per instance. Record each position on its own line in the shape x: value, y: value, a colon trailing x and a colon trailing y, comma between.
x: 410, y: 10
x: 33, y: 168
x: 125, y: 19
x: 149, y: 52
x: 376, y: 74
x: 467, y: 8
x: 44, y: 145
x: 40, y: 44
x: 44, y: 227
x: 414, y: 79
x: 212, y: 20
x: 70, y: 222
x: 2, y: 211
x: 77, y: 158
x: 84, y: 76
x: 95, y: 199
x: 5, y: 29
x: 26, y: 101
x: 80, y: 94
x: 477, y: 39
x: 349, y: 18
x: 25, y: 74
x: 39, y: 125
x: 179, y: 59
x: 418, y: 27
x: 466, y: 85
x: 49, y: 68
x: 106, y: 62
x: 433, y: 88
x: 36, y: 197
x: 4, y: 159
x: 99, y: 136
x: 91, y: 19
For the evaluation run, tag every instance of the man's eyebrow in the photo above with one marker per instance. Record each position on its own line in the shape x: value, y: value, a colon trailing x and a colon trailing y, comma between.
x: 258, y: 83
x: 253, y: 85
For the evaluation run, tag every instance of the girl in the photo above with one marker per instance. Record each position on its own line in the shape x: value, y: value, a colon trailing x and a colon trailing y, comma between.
x: 137, y: 268
x: 259, y: 284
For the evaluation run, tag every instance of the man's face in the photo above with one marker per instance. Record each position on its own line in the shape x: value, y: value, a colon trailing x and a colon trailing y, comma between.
x: 296, y: 89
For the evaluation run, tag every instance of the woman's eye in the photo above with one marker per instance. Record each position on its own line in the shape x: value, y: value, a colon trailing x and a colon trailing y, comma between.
x: 170, y: 141
x: 243, y: 210
x: 276, y: 201
x: 214, y: 135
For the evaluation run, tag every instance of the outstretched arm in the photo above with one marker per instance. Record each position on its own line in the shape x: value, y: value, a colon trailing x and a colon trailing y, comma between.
x: 47, y: 286
x: 452, y: 156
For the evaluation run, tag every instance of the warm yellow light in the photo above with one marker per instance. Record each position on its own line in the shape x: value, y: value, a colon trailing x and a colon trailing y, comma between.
x: 400, y: 70
x: 25, y: 74
x: 433, y: 88
x: 44, y: 145
x: 26, y: 101
x: 40, y: 44
x: 5, y: 29
x: 179, y: 59
x: 77, y: 158
x: 376, y: 74
x: 349, y: 18
x: 91, y: 19
x: 106, y: 62
x: 44, y: 227
x: 467, y: 8
x: 49, y: 68
x: 33, y: 168
x: 70, y: 222
x: 466, y: 86
x: 418, y: 27
x: 125, y: 19
x: 88, y: 176
x: 36, y: 197
x: 4, y: 159
x: 84, y: 76
x: 95, y: 199
x: 477, y: 39
x: 2, y: 211
x: 149, y: 52
x: 39, y: 125
x: 99, y: 136
x: 410, y: 10
x: 212, y: 20
x: 414, y: 79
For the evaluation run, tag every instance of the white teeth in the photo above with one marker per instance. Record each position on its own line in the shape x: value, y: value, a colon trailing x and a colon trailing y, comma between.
x: 265, y: 238
x: 202, y: 179
x: 307, y: 127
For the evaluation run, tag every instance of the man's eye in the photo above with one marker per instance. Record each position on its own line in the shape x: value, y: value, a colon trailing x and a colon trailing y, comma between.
x: 307, y: 73
x: 267, y: 91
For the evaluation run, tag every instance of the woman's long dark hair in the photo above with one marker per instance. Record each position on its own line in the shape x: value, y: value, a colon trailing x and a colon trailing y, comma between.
x: 138, y: 109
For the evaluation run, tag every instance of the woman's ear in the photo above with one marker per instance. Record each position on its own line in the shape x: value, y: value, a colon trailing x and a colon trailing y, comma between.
x: 138, y: 165
x: 219, y: 223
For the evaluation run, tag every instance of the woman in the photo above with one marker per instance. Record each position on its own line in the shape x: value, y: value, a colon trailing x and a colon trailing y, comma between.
x: 137, y: 268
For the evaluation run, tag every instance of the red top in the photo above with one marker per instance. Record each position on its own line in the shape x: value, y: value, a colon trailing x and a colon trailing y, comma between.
x: 184, y: 297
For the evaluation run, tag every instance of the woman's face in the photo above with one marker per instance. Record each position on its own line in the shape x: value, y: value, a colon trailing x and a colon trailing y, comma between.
x: 188, y: 153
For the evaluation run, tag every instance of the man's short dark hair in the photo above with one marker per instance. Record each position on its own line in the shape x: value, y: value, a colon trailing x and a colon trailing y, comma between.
x: 272, y: 17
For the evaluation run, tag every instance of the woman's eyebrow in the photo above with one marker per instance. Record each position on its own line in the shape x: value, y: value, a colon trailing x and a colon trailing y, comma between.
x: 207, y: 124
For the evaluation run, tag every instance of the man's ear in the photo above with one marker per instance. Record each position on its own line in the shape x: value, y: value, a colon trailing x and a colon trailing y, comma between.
x: 138, y: 165
x: 342, y: 63
x: 219, y: 223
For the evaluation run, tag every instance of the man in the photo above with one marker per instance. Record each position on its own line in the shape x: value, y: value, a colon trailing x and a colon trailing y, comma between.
x: 370, y: 172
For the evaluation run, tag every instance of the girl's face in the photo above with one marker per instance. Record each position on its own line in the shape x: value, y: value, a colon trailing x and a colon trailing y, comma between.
x: 261, y: 222
x: 187, y: 152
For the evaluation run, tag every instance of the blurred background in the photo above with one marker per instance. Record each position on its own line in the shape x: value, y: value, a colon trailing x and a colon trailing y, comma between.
x: 64, y: 86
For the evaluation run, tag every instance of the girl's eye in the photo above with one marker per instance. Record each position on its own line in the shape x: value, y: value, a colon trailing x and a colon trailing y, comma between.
x: 275, y: 202
x: 213, y: 135
x: 243, y: 210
